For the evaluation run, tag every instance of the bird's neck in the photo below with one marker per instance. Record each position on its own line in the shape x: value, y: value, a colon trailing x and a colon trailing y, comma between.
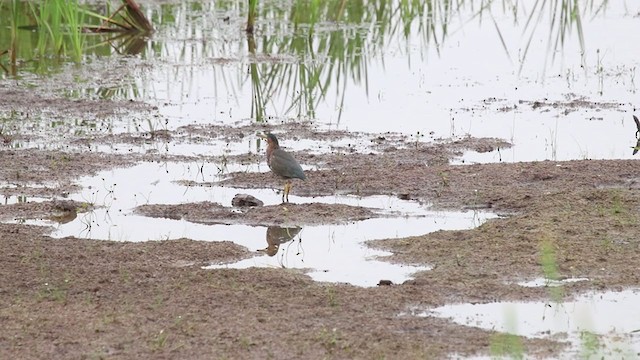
x: 270, y: 150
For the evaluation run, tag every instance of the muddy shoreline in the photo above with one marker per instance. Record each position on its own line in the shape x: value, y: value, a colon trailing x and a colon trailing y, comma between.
x: 93, y: 298
x: 81, y: 298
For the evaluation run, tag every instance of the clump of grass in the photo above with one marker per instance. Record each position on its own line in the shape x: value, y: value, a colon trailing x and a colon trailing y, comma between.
x: 329, y: 338
x: 548, y: 260
x: 246, y: 342
x: 444, y: 178
x: 75, y: 17
x: 13, y: 19
x: 159, y: 341
x: 53, y: 292
x: 48, y: 19
x: 618, y: 211
x: 616, y: 204
x: 62, y: 28
x: 332, y: 297
x: 251, y: 17
x: 507, y: 343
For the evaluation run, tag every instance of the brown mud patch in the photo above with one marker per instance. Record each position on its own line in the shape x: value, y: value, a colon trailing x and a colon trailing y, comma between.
x: 85, y: 298
x: 56, y: 211
x: 288, y: 214
x: 352, y: 141
x: 44, y: 173
x: 405, y: 172
x: 62, y: 104
x: 584, y: 211
x: 26, y: 104
x: 153, y: 298
x: 590, y: 233
x: 418, y: 174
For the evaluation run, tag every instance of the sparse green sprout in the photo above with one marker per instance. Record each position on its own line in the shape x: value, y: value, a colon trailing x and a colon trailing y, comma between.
x: 549, y: 262
x: 444, y: 178
x: 331, y: 295
x: 159, y: 341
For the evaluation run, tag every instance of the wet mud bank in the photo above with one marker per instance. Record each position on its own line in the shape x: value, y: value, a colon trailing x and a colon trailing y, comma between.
x: 284, y: 214
x: 94, y: 298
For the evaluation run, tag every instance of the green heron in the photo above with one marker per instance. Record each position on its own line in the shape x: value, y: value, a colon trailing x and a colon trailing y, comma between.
x: 282, y: 164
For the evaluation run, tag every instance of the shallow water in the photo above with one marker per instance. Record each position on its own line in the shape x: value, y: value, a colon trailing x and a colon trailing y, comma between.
x: 412, y: 87
x: 596, y: 324
x: 19, y: 199
x: 334, y: 253
x: 542, y: 282
x: 472, y: 80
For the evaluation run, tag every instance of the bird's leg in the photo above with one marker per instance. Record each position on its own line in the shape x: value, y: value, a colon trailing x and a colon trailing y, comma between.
x: 288, y: 191
x: 284, y: 191
x: 287, y: 188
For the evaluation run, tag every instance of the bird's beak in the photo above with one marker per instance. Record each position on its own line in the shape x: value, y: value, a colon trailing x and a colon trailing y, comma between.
x: 262, y: 135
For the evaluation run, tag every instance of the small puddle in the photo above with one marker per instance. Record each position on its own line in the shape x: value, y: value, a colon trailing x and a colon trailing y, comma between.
x: 597, y: 325
x: 541, y: 282
x: 19, y: 199
x: 334, y: 253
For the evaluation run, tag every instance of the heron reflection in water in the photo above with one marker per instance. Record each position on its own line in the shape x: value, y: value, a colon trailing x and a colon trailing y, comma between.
x: 277, y: 235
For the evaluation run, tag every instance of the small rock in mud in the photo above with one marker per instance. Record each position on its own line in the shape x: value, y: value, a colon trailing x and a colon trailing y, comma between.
x: 65, y: 205
x: 385, y: 283
x: 246, y: 200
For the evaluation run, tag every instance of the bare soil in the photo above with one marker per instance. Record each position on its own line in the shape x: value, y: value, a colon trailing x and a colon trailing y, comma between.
x: 79, y: 298
x: 282, y: 215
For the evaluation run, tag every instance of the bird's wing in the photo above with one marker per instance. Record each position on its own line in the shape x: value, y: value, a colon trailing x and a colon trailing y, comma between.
x: 283, y: 164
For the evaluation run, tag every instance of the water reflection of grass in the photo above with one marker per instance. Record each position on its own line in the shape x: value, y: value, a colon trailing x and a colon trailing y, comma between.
x: 334, y: 40
x: 563, y: 15
x: 326, y: 45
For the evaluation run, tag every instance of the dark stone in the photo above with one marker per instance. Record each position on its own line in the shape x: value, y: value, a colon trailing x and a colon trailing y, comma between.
x: 245, y: 200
